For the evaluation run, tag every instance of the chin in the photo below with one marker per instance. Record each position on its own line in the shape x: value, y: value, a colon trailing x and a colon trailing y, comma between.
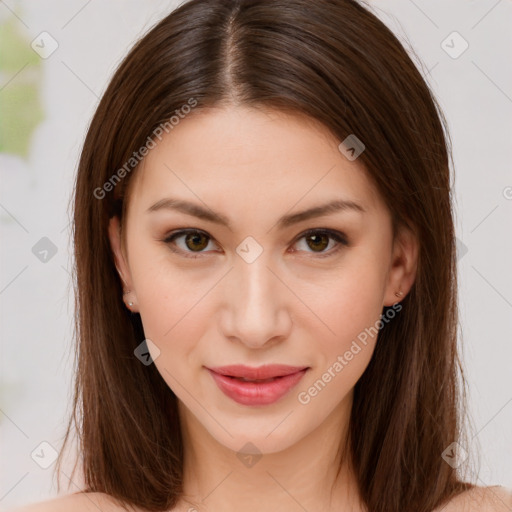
x: 258, y: 444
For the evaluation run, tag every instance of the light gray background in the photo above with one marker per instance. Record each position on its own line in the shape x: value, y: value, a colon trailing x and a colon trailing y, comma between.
x: 475, y: 91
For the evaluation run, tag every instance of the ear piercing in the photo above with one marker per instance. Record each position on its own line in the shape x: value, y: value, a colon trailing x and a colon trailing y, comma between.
x: 126, y: 293
x: 397, y: 294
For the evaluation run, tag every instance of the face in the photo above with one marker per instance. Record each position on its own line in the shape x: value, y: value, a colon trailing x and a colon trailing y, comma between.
x: 250, y: 281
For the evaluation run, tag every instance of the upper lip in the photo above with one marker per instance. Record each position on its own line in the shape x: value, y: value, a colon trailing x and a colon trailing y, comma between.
x: 260, y: 372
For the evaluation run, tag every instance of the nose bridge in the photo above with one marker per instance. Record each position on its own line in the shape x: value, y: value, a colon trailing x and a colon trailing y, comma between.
x: 256, y: 284
x: 256, y: 304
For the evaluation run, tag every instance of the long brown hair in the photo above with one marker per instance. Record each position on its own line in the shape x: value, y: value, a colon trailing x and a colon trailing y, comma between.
x: 336, y: 62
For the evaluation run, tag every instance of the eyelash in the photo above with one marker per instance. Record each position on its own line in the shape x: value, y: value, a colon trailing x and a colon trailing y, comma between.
x: 339, y: 237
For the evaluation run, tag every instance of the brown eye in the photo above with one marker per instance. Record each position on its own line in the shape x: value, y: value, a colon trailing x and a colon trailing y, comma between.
x: 318, y: 240
x: 194, y: 242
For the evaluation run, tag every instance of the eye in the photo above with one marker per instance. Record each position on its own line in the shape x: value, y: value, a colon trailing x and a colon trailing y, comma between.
x: 195, y: 241
x: 318, y: 240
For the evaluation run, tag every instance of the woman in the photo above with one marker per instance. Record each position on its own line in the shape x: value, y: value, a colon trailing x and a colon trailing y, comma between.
x: 265, y: 273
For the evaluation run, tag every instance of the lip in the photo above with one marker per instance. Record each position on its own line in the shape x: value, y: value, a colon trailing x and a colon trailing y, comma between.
x: 265, y: 391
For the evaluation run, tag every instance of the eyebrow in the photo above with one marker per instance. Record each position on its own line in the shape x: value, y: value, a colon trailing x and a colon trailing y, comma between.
x: 200, y: 212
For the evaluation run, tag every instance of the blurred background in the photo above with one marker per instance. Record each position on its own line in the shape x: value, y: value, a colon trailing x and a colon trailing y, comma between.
x: 56, y: 58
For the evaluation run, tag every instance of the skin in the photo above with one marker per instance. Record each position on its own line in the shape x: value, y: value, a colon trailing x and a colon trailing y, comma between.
x: 285, y: 307
x: 480, y: 499
x: 289, y: 306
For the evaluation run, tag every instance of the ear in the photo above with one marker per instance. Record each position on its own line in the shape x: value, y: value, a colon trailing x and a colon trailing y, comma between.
x: 402, y: 273
x: 114, y: 234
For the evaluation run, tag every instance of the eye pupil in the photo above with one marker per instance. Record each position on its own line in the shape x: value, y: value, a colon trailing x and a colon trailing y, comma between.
x: 197, y: 241
x: 195, y: 236
x: 318, y: 238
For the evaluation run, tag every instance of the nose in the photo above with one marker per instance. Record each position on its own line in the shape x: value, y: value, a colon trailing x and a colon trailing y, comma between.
x: 256, y: 307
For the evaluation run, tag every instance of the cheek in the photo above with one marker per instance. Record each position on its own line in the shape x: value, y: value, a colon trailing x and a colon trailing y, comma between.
x: 170, y: 308
x: 344, y: 351
x: 350, y: 305
x: 175, y: 309
x: 350, y: 302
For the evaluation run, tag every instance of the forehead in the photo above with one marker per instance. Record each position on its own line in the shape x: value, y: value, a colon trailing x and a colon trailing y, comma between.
x: 252, y: 158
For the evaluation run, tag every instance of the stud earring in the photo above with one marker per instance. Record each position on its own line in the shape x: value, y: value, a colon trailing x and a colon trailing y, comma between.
x: 126, y: 293
x: 399, y: 294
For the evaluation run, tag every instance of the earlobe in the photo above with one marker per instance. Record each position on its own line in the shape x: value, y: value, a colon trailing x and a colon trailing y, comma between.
x: 402, y: 273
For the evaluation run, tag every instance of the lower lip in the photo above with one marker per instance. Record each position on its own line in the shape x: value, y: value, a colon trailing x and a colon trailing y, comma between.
x: 256, y: 393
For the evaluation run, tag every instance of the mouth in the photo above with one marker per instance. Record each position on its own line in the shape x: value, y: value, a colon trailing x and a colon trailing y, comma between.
x: 262, y: 381
x: 268, y: 371
x: 257, y: 386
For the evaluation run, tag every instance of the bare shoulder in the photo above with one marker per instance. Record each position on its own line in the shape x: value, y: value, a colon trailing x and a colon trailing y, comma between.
x: 481, y: 499
x: 77, y: 502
